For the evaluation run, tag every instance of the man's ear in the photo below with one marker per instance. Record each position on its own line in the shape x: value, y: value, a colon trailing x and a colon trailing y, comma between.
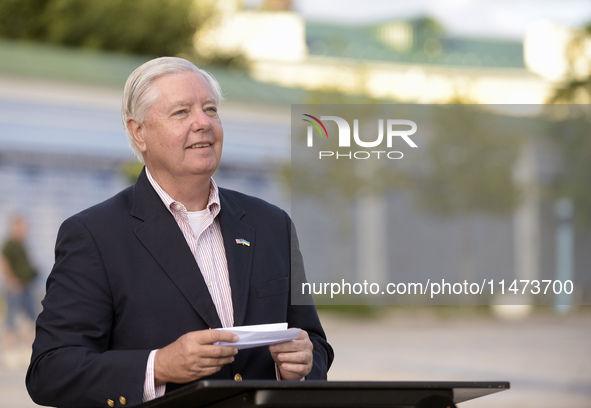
x: 136, y: 129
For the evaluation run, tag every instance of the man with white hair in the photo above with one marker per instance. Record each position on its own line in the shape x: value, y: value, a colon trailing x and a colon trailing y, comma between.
x: 140, y: 280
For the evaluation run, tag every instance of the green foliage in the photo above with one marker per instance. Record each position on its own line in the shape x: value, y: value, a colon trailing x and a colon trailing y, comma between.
x: 572, y: 135
x: 576, y: 88
x: 151, y: 27
x: 131, y: 170
x: 22, y: 19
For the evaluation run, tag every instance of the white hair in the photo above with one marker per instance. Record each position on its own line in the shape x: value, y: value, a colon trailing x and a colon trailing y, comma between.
x: 138, y: 94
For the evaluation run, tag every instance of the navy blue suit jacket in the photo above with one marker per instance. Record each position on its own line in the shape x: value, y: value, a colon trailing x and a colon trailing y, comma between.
x: 125, y: 282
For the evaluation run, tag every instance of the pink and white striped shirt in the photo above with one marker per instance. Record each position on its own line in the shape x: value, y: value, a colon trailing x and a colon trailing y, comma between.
x: 207, y: 246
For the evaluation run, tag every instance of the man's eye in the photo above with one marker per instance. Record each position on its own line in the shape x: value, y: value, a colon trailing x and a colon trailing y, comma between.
x: 181, y: 112
x: 211, y: 109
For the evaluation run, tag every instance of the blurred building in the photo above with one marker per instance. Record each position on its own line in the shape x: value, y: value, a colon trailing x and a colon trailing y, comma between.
x: 404, y: 60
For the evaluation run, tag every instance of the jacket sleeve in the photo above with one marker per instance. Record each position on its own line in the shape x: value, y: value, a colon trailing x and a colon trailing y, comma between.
x: 72, y: 364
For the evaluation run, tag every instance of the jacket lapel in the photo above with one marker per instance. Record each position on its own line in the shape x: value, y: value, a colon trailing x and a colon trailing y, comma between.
x: 239, y: 256
x: 162, y: 237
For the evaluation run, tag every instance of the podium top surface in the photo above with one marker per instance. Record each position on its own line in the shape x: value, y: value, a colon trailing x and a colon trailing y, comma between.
x: 268, y: 393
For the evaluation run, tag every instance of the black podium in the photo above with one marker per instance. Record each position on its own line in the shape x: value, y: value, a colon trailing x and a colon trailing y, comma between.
x: 324, y: 394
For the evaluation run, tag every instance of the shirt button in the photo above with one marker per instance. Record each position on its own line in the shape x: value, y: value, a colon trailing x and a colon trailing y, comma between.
x: 237, y: 377
x: 209, y: 284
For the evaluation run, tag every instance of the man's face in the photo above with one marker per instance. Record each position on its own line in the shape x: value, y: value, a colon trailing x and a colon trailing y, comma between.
x: 182, y: 133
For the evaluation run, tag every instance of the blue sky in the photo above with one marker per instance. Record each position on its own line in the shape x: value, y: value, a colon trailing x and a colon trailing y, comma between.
x: 488, y: 18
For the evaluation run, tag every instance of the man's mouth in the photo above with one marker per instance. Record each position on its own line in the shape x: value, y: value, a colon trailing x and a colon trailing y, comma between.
x: 198, y: 145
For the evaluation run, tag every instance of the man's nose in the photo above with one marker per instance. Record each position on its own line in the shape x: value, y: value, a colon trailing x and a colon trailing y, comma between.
x: 201, y: 121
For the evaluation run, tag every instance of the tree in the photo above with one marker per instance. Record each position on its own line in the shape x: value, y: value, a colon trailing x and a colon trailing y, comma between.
x: 576, y: 88
x: 151, y: 27
x: 571, y: 133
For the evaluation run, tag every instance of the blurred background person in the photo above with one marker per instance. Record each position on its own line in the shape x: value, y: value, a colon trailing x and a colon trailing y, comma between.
x: 18, y: 275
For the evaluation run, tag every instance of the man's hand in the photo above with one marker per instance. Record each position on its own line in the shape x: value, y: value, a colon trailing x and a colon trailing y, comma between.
x: 294, y: 358
x: 193, y: 356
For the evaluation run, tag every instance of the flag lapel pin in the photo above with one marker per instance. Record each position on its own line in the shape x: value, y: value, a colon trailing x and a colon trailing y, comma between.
x: 242, y: 241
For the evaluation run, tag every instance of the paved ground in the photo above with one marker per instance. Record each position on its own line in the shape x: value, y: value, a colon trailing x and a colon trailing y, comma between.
x: 547, y: 358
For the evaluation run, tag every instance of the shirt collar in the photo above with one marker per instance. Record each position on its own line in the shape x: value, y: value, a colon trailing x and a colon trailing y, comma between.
x: 213, y: 203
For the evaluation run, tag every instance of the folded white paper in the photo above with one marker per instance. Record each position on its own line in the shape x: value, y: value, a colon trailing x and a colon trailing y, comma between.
x: 260, y: 335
